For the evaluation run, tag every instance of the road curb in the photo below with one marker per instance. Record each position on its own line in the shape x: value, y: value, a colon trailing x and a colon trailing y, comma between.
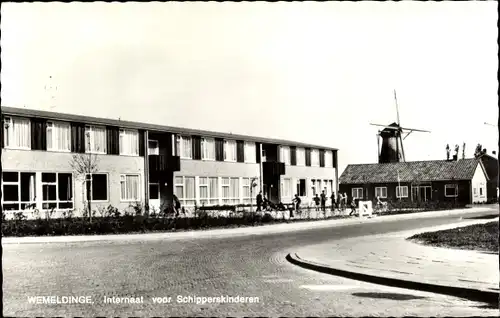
x: 465, y: 293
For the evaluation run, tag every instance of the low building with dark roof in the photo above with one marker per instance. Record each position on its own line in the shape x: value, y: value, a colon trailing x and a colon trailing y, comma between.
x: 490, y: 164
x: 462, y: 181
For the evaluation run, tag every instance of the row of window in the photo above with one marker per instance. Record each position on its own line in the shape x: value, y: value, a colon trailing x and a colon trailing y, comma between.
x: 20, y: 189
x: 208, y: 149
x: 211, y: 190
x: 317, y: 187
x: 17, y: 135
x: 300, y: 157
x: 58, y: 137
x: 450, y: 191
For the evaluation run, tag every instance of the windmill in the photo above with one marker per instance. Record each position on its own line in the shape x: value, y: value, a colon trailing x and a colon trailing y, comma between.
x: 392, y: 139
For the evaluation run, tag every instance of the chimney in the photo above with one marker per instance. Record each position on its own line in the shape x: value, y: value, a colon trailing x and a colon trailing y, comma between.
x: 455, y: 156
x: 447, y: 152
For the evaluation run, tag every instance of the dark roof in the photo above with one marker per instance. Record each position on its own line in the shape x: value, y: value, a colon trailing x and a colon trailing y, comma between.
x: 436, y: 170
x: 490, y: 164
x: 151, y: 127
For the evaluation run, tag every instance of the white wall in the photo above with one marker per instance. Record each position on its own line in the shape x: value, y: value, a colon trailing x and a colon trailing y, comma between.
x: 479, y: 186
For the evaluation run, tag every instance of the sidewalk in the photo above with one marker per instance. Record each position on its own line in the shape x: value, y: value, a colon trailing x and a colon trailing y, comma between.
x: 234, y: 232
x: 394, y: 258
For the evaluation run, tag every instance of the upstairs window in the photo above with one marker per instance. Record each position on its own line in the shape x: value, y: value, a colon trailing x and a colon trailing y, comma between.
x: 95, y: 139
x: 58, y: 136
x: 208, y: 148
x: 230, y: 150
x: 328, y: 159
x: 17, y: 133
x: 285, y: 155
x: 184, y: 148
x: 129, y: 142
x: 314, y: 158
x: 250, y: 152
x: 301, y: 157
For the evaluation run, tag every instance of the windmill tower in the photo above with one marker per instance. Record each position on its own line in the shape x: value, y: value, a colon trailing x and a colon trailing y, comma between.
x: 392, y: 149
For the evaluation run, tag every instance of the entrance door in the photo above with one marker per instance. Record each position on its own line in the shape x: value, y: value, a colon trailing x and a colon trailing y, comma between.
x: 425, y: 193
x: 154, y: 197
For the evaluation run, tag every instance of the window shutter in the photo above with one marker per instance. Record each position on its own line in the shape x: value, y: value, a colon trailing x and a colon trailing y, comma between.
x: 196, y: 147
x: 334, y: 158
x: 321, y: 157
x: 38, y: 134
x: 219, y: 149
x: 77, y: 137
x: 308, y: 157
x: 113, y: 140
x: 257, y: 152
x: 293, y: 156
x: 142, y: 145
x: 240, y: 151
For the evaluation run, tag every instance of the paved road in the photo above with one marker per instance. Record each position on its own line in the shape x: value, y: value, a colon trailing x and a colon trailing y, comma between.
x: 252, y: 266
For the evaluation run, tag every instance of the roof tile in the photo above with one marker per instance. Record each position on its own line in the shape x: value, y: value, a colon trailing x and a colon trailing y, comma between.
x: 435, y: 170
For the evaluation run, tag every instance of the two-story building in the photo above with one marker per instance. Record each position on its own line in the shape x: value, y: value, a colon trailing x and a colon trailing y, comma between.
x: 55, y: 160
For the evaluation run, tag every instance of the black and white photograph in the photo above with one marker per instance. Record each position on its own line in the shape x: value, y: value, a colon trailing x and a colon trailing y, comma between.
x: 250, y: 159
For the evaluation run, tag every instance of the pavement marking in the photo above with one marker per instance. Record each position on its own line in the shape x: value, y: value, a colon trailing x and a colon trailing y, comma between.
x: 328, y: 287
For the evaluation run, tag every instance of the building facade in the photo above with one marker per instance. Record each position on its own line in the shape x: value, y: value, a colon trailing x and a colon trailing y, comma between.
x: 461, y: 181
x: 490, y: 164
x: 54, y: 161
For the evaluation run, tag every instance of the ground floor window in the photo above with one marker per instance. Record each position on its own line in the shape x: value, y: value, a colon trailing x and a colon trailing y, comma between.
x: 185, y: 190
x: 97, y: 184
x: 230, y: 191
x: 57, y: 191
x: 401, y: 191
x: 450, y: 190
x: 129, y: 187
x: 18, y: 189
x: 301, y: 187
x: 357, y: 193
x: 209, y: 190
x: 381, y: 192
x: 246, y: 186
x: 286, y: 188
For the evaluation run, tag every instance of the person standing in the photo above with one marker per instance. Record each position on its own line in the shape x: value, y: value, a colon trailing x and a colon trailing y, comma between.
x: 339, y: 201
x: 323, y: 201
x: 334, y: 204
x: 353, y: 207
x: 317, y: 200
x: 177, y: 205
x: 259, y: 201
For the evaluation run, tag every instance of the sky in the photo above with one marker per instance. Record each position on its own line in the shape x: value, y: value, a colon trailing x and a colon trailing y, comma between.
x: 311, y: 72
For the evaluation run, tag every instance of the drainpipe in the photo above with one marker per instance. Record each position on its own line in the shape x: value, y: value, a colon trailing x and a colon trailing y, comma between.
x: 146, y: 168
x: 260, y: 168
